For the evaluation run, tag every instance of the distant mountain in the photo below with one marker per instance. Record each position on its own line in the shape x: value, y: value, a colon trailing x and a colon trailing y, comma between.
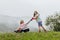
x: 9, y: 24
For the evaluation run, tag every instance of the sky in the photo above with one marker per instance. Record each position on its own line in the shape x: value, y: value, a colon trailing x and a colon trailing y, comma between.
x: 22, y: 8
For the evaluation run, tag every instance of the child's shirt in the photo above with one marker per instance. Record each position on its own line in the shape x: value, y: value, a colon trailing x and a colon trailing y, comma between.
x: 23, y: 26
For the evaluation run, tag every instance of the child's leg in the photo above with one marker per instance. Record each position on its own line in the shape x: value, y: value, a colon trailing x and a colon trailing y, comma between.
x: 16, y: 31
x: 26, y: 30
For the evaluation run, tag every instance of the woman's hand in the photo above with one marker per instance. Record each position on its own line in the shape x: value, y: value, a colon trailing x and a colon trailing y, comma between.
x: 33, y: 18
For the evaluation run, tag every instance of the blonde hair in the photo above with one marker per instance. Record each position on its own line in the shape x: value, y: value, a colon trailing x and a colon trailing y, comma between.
x: 22, y: 21
x: 35, y: 12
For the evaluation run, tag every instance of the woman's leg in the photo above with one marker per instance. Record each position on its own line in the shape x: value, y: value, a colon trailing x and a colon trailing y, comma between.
x: 39, y: 29
x: 44, y: 29
x: 40, y: 25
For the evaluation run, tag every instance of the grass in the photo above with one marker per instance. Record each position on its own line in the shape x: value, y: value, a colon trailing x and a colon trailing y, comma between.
x: 30, y: 36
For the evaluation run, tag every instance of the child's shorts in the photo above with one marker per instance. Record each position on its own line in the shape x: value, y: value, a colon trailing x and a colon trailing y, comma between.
x: 40, y: 23
x: 25, y: 30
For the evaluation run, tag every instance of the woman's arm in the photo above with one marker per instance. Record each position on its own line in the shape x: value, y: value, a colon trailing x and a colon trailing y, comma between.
x: 33, y: 18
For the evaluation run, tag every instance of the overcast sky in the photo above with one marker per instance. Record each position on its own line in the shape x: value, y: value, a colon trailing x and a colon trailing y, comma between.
x: 20, y: 8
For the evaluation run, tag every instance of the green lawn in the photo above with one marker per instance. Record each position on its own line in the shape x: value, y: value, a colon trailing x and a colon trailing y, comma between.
x: 30, y: 36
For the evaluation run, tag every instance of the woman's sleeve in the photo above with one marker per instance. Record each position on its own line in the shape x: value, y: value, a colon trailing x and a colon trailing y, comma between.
x: 33, y: 18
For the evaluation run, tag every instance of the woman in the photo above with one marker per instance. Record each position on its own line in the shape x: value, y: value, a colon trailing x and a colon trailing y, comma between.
x: 38, y: 20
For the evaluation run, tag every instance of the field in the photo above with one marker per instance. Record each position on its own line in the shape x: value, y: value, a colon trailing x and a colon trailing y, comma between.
x: 30, y: 36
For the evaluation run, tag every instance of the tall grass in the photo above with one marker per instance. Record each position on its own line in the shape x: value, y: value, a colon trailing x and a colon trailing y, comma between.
x: 30, y: 36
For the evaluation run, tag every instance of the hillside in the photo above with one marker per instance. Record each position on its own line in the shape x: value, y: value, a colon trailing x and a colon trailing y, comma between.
x: 30, y: 36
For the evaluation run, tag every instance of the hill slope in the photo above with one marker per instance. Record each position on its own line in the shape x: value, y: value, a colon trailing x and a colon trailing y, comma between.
x: 30, y: 36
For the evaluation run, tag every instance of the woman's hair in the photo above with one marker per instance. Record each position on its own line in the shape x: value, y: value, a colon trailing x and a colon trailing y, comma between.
x: 21, y: 22
x: 35, y: 12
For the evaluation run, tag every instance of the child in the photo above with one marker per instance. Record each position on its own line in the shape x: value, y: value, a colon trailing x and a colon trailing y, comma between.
x: 38, y: 20
x: 22, y: 27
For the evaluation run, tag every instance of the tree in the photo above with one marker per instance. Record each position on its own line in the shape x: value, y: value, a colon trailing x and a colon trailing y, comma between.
x: 54, y: 22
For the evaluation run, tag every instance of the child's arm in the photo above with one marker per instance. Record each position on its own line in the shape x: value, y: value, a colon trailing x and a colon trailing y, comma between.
x: 18, y: 28
x: 29, y: 21
x: 33, y: 18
